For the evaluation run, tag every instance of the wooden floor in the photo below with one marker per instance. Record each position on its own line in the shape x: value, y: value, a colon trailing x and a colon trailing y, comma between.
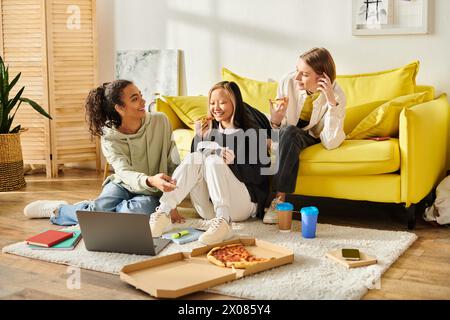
x: 423, y: 272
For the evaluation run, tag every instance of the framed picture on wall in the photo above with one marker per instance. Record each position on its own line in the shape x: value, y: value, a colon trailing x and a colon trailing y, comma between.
x: 155, y: 72
x: 383, y: 17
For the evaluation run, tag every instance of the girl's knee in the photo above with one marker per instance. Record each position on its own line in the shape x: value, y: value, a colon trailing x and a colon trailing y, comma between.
x: 194, y: 158
x: 213, y: 160
x: 289, y: 131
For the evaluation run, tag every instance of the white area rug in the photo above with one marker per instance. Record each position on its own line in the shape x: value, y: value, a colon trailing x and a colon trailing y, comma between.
x: 311, y: 276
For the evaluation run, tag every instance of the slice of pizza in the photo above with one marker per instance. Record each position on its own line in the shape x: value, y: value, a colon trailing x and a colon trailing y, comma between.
x: 275, y: 102
x: 203, y: 120
x: 233, y: 255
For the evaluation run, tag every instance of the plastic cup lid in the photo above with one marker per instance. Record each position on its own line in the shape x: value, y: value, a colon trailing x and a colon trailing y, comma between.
x: 285, y: 206
x: 309, y: 211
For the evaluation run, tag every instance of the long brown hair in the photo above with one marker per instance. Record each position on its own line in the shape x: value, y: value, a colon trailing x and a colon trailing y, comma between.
x: 321, y: 61
x: 241, y: 117
x: 100, y: 106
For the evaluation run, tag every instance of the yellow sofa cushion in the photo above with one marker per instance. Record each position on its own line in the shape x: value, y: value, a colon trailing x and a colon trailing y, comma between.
x: 353, y: 158
x: 164, y: 107
x: 376, y: 187
x: 188, y: 109
x: 383, y: 85
x: 255, y: 93
x: 183, y: 139
x: 384, y: 120
x: 354, y: 114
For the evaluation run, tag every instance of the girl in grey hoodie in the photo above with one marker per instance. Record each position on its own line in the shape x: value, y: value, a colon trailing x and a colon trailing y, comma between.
x: 138, y: 146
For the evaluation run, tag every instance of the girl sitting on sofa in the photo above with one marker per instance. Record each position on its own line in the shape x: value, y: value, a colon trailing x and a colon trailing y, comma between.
x: 223, y: 181
x: 130, y: 136
x: 310, y: 109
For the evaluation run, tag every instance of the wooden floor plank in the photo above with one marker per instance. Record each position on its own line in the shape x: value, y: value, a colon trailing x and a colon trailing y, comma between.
x: 422, y: 272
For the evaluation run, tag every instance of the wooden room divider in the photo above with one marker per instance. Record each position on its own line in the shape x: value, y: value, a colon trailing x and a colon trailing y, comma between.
x: 53, y: 43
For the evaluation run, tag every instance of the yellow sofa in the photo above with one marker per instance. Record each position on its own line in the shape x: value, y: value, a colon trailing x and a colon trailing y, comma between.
x: 402, y: 170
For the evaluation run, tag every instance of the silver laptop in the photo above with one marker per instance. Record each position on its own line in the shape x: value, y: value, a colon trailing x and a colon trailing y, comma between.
x: 119, y: 232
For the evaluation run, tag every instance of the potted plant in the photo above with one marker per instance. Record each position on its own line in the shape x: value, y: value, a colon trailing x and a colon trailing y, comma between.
x: 11, y: 161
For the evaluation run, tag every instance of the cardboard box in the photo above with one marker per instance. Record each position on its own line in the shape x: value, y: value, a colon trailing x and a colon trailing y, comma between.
x: 183, y: 273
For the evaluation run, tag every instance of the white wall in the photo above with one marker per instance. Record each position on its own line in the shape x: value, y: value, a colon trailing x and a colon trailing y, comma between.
x: 262, y: 39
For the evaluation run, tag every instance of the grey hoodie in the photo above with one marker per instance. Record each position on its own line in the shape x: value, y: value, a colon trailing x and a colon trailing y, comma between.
x: 135, y: 157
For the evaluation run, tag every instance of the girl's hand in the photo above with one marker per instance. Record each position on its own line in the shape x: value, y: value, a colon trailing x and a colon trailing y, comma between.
x: 203, y: 126
x: 162, y: 182
x: 278, y: 109
x: 176, y: 216
x: 228, y: 155
x: 326, y: 87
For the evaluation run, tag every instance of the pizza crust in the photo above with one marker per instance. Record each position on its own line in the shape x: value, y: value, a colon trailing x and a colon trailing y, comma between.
x: 245, y: 264
x: 213, y: 259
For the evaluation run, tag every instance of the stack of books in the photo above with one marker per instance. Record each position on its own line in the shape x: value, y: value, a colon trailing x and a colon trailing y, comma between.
x: 55, y: 240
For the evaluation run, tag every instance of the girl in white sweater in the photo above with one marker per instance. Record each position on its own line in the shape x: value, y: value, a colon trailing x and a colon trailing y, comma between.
x: 310, y: 109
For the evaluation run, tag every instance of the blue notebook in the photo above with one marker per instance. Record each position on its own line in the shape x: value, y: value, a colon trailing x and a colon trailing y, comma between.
x: 193, y: 235
x: 68, y: 244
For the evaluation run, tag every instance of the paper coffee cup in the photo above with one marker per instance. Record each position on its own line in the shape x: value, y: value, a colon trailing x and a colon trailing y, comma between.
x: 285, y: 216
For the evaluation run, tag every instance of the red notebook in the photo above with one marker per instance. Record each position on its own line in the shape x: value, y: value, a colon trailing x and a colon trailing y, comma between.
x: 49, y: 238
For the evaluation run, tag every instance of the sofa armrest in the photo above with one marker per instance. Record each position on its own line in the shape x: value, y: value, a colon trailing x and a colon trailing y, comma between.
x: 423, y: 140
x: 162, y: 106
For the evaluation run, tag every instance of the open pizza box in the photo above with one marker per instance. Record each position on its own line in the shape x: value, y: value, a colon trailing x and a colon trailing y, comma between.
x: 182, y: 273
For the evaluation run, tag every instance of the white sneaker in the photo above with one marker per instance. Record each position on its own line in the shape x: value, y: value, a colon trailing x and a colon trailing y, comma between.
x: 42, y: 208
x: 160, y: 222
x: 271, y: 216
x: 218, y: 231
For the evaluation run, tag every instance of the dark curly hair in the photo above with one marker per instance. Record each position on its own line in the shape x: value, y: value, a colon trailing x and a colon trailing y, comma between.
x: 100, y: 103
x: 241, y: 117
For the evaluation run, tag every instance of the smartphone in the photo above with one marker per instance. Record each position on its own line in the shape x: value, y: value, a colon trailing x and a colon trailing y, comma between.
x: 351, y: 254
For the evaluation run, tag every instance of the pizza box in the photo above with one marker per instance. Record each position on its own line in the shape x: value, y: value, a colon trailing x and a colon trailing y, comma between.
x: 183, y: 273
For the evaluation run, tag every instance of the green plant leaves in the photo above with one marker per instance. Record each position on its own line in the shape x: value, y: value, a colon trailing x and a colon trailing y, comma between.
x: 13, y: 83
x: 36, y: 107
x: 16, y: 129
x: 7, y: 106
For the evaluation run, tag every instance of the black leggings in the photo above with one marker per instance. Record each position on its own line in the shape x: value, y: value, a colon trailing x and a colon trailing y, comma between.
x: 292, y: 141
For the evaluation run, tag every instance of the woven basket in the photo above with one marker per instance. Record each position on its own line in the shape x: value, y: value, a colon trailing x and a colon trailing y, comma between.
x: 11, y: 163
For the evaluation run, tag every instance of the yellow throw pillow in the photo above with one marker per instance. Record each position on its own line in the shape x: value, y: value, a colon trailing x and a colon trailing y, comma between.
x: 354, y: 114
x: 384, y: 120
x: 255, y: 93
x: 162, y: 106
x: 188, y: 109
x: 383, y: 85
x: 429, y: 91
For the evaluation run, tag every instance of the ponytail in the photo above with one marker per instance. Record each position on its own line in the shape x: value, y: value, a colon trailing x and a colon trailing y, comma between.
x: 100, y: 106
